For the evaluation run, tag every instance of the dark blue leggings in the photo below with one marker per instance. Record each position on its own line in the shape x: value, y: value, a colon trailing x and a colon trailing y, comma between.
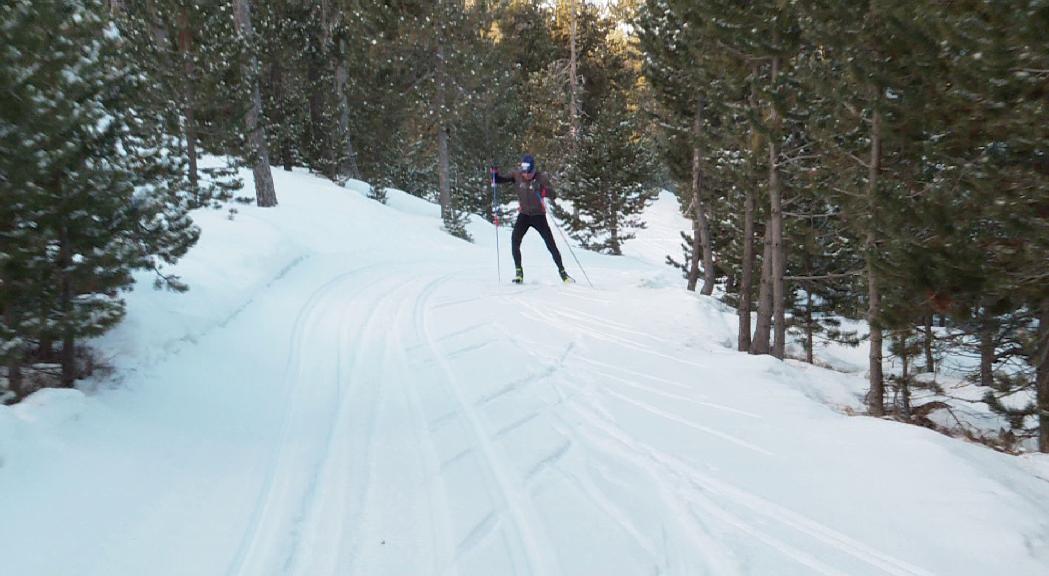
x: 537, y: 221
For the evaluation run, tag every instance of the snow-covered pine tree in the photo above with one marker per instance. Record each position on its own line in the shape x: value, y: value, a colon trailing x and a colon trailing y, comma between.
x: 1020, y: 85
x: 22, y: 247
x: 749, y: 48
x: 772, y: 40
x: 346, y: 54
x: 612, y: 181
x: 100, y: 191
x: 429, y: 107
x: 869, y: 85
x: 690, y: 50
x: 697, y: 85
x: 608, y: 175
x: 285, y: 26
x: 332, y: 36
x: 979, y: 228
x: 189, y: 53
x: 377, y: 89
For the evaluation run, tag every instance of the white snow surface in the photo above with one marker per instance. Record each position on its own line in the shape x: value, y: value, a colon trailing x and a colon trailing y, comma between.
x: 346, y: 389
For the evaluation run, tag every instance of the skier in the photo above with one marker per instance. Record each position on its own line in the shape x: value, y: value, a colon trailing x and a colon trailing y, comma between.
x: 532, y: 187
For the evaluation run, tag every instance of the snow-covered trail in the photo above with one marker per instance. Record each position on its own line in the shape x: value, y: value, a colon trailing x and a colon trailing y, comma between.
x: 367, y: 404
x: 509, y: 440
x: 426, y: 446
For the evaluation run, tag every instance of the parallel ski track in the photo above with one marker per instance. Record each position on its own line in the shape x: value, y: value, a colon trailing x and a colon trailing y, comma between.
x: 265, y: 529
x: 709, y: 498
x: 511, y: 498
x: 323, y: 544
x: 306, y: 523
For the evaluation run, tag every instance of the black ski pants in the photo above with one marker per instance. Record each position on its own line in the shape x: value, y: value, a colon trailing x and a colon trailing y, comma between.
x: 537, y: 221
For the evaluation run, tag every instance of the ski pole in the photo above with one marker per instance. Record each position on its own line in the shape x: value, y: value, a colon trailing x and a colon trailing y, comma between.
x: 495, y: 218
x: 565, y: 239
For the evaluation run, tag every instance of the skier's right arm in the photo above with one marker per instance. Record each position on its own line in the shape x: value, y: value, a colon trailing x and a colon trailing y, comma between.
x: 500, y: 179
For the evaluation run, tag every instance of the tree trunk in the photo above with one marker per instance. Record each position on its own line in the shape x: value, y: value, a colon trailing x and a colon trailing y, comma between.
x: 573, y: 82
x: 321, y: 150
x: 347, y: 157
x: 15, y: 380
x: 809, y: 332
x: 315, y: 104
x: 191, y: 151
x: 185, y: 48
x: 159, y: 32
x: 1041, y: 363
x: 329, y: 143
x: 927, y: 344
x: 988, y: 329
x: 14, y: 362
x: 779, y: 297
x: 69, y: 372
x: 700, y: 224
x: 68, y: 357
x: 442, y: 134
x: 731, y: 281
x: 746, y: 283
x: 46, y: 350
x: 760, y: 343
x: 697, y: 248
x: 876, y: 396
x: 284, y: 152
x: 315, y: 100
x: 747, y: 265
x: 265, y: 195
x: 905, y: 390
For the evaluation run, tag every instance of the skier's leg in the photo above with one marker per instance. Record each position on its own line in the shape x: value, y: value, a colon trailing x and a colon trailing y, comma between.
x: 520, y: 227
x: 544, y: 230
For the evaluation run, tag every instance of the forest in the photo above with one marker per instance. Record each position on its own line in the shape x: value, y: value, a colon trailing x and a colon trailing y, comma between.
x: 883, y: 161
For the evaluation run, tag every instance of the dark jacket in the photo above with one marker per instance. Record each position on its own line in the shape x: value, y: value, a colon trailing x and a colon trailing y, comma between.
x: 529, y: 191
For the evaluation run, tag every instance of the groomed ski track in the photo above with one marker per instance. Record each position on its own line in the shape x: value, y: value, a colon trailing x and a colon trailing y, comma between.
x: 426, y: 441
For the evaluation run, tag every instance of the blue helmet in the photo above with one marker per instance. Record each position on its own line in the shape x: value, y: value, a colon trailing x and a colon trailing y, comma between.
x: 528, y: 163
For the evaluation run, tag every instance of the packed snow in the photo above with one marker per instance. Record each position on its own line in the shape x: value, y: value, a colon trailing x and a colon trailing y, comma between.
x: 347, y: 389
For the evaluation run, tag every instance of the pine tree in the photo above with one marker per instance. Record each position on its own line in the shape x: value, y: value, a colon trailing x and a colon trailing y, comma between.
x: 189, y: 53
x: 869, y: 84
x: 99, y: 190
x: 285, y: 25
x: 444, y: 106
x: 674, y: 65
x: 612, y: 182
x: 378, y: 90
x: 980, y: 225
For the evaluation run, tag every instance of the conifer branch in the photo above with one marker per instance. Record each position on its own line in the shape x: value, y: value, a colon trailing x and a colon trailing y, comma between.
x: 839, y: 276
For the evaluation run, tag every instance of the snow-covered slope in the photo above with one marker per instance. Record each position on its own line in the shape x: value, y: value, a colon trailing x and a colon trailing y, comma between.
x: 348, y: 390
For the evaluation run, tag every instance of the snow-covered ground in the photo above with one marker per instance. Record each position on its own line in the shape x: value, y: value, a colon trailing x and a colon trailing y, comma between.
x: 348, y: 390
